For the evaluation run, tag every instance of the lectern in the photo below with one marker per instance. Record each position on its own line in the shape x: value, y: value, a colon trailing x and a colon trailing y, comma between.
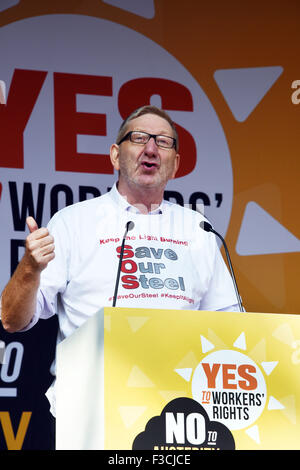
x: 158, y: 379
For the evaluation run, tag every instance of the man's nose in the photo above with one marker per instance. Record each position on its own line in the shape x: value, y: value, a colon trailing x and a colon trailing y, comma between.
x: 151, y: 148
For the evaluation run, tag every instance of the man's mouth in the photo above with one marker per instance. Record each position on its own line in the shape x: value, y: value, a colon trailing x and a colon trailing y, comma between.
x: 149, y: 165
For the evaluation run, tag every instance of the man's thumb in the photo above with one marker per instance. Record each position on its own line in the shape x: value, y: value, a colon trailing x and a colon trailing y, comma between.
x: 31, y: 224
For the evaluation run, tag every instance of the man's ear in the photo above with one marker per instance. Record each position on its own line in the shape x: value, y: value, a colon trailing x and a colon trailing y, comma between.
x: 114, y: 156
x: 176, y: 164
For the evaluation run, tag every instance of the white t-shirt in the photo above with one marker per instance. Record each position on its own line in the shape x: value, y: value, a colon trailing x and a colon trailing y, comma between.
x: 169, y: 262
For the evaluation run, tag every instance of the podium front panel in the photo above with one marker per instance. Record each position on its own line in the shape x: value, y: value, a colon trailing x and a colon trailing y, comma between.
x: 181, y: 380
x: 201, y: 380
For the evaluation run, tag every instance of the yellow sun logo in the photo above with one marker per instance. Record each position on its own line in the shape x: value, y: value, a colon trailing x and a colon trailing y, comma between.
x: 231, y: 386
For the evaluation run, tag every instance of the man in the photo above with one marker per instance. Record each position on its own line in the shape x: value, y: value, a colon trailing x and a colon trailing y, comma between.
x: 169, y: 261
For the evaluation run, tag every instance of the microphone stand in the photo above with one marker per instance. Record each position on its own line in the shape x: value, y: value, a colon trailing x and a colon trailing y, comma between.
x: 208, y: 228
x: 129, y: 226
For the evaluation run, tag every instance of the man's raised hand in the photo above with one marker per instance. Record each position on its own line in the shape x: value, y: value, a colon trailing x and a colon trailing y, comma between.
x: 39, y: 246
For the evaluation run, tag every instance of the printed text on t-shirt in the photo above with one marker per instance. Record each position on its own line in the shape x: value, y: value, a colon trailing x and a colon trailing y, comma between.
x: 134, y: 272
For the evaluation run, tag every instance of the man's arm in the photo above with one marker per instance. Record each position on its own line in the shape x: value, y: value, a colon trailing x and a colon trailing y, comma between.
x: 20, y: 294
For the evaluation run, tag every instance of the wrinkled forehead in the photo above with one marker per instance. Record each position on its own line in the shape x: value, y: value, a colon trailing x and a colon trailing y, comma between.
x: 150, y: 123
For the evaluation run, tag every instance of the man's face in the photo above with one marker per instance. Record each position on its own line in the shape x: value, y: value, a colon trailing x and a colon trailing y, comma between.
x: 145, y: 166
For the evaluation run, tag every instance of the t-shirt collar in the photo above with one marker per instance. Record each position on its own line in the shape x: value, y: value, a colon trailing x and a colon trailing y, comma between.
x: 124, y: 204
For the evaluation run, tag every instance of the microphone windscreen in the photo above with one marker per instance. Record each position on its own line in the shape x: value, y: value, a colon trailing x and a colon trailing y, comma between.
x: 130, y: 225
x: 205, y: 226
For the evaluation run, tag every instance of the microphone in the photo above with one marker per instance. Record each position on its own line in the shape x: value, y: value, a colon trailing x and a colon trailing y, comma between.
x: 208, y: 228
x: 129, y: 226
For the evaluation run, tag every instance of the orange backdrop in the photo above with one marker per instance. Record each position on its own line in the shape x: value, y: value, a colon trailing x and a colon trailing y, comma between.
x: 210, y: 36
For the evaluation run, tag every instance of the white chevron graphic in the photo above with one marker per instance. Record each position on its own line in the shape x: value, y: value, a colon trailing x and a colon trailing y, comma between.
x: 244, y: 88
x: 144, y: 8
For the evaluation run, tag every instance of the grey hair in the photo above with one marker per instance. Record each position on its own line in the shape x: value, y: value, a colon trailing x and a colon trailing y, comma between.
x: 148, y: 109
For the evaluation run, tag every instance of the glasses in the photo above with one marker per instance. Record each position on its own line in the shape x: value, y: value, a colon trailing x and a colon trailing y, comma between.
x: 137, y: 137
